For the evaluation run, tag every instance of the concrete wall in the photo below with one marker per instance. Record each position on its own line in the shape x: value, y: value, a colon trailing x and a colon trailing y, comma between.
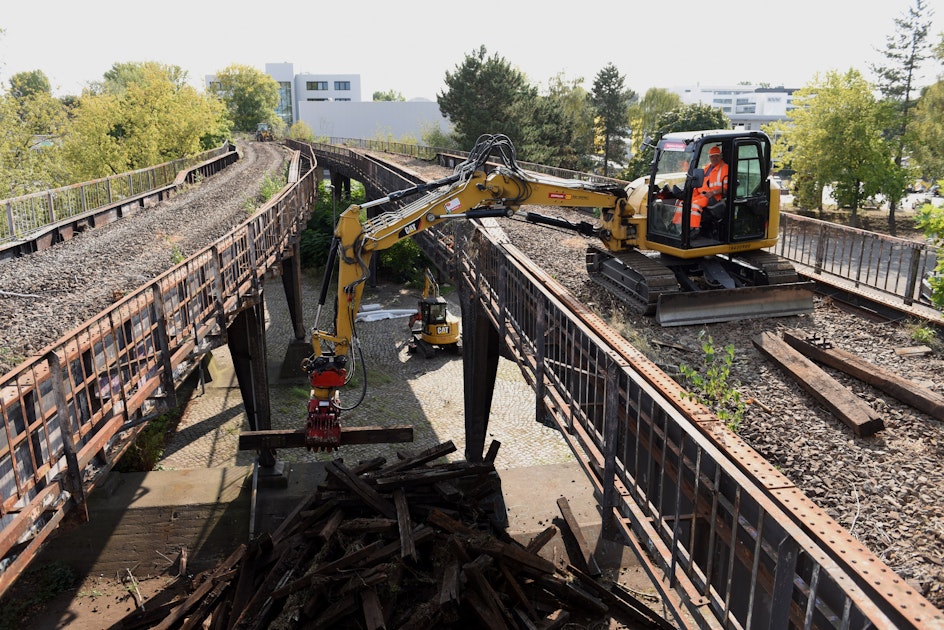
x: 372, y: 119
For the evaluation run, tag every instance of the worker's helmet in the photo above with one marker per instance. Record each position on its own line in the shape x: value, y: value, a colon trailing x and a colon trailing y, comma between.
x: 715, y: 150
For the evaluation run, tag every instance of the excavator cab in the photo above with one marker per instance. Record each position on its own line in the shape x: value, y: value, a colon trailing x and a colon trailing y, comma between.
x: 743, y: 213
x: 432, y: 326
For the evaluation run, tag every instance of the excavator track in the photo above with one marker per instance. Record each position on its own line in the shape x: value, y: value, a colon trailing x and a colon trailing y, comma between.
x: 632, y: 276
x: 762, y: 268
x: 767, y: 286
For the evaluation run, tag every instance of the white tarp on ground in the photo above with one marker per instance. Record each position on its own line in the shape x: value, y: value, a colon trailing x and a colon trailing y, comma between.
x: 373, y: 313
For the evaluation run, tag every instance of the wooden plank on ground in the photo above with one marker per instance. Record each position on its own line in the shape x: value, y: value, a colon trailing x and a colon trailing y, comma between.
x: 588, y: 561
x: 252, y: 440
x: 906, y: 391
x: 839, y: 400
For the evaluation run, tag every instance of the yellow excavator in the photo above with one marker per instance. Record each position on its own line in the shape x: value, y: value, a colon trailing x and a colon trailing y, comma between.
x: 645, y: 255
x: 433, y: 326
x: 264, y: 133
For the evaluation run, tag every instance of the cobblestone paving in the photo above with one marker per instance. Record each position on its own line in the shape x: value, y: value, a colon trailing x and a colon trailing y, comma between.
x: 402, y: 389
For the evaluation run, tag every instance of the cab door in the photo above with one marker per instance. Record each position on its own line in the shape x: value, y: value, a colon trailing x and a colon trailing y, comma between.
x: 750, y: 207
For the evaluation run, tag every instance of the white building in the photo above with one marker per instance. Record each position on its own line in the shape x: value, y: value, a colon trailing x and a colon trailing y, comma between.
x: 331, y: 105
x: 749, y: 106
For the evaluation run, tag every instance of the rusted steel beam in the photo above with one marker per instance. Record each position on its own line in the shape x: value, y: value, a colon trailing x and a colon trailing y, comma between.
x: 908, y: 392
x: 295, y: 438
x: 839, y: 400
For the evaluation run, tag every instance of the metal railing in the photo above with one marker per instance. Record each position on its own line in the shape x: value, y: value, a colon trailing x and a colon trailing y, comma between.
x: 890, y: 265
x: 70, y: 412
x: 451, y: 157
x: 27, y: 215
x: 736, y: 542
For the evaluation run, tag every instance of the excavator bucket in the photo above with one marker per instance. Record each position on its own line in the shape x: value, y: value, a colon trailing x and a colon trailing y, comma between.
x: 728, y: 305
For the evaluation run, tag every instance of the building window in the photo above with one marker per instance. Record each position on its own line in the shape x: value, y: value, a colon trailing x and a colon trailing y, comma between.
x: 318, y: 100
x: 316, y: 86
x: 216, y: 86
x: 284, y: 108
x: 342, y: 99
x: 342, y: 86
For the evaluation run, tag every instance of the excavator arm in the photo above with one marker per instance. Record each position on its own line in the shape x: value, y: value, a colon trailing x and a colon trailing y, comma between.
x: 472, y: 192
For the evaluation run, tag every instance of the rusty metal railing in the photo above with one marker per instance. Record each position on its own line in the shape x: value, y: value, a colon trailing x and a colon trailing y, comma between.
x: 69, y: 413
x: 721, y: 532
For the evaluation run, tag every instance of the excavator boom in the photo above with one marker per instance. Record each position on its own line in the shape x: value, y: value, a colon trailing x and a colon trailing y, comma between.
x: 651, y: 250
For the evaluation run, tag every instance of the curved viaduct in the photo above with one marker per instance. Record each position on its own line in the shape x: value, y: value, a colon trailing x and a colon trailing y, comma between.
x: 726, y: 538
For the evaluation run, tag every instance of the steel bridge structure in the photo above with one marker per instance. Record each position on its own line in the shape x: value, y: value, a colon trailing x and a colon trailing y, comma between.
x: 728, y: 540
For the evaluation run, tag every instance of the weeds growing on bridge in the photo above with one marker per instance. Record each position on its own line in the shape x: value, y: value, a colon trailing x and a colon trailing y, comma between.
x: 712, y: 386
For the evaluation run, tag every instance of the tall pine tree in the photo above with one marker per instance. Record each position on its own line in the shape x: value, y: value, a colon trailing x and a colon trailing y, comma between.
x: 905, y: 51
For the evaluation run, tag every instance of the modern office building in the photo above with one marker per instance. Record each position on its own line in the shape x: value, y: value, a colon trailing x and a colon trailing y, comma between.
x: 747, y: 106
x: 331, y: 105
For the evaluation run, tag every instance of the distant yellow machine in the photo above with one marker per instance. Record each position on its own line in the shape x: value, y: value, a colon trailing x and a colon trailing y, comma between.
x: 264, y: 133
x: 432, y: 326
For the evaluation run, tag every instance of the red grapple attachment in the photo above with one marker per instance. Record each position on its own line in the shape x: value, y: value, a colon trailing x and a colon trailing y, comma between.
x: 323, y: 428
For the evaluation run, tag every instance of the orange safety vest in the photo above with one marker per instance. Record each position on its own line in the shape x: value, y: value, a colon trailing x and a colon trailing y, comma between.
x: 715, y: 185
x: 694, y: 219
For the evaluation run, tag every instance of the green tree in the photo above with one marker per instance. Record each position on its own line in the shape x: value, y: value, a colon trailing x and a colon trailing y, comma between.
x: 644, y: 115
x: 683, y: 118
x: 432, y: 135
x: 147, y: 120
x: 905, y: 51
x: 29, y: 83
x: 611, y: 101
x: 579, y: 134
x: 389, y: 95
x: 31, y: 131
x: 557, y: 131
x: 928, y: 125
x: 835, y: 131
x: 930, y: 220
x: 482, y: 96
x: 123, y: 74
x: 926, y: 129
x: 301, y: 131
x: 251, y: 96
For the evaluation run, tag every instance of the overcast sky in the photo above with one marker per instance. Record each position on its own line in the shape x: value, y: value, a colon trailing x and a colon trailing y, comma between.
x: 408, y: 46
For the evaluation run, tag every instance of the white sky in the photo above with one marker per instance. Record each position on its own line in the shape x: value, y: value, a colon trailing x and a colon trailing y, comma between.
x: 409, y: 45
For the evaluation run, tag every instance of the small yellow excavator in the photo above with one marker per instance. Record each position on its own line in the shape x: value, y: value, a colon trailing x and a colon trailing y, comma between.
x: 264, y: 133
x: 433, y: 326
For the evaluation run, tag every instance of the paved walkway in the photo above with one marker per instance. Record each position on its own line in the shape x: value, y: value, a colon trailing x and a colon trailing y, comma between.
x: 402, y: 389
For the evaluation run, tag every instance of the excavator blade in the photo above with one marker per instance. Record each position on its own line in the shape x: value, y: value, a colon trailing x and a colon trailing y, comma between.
x: 728, y: 305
